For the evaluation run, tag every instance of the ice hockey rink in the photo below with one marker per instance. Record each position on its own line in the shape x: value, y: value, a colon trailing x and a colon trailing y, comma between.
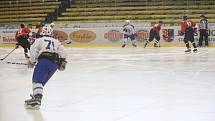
x: 115, y: 84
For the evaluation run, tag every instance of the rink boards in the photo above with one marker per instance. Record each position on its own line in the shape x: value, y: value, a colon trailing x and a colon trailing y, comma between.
x: 107, y: 35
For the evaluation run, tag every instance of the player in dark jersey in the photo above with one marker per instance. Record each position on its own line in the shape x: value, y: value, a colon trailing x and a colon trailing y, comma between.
x: 154, y: 34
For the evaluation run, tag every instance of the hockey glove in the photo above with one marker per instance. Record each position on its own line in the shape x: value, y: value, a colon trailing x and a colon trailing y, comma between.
x: 207, y: 32
x: 31, y: 64
x: 17, y: 45
x: 62, y: 64
x: 135, y: 34
x: 181, y: 33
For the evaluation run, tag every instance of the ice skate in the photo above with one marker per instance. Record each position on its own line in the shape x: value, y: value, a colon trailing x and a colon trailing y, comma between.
x: 134, y: 45
x: 155, y: 45
x: 145, y: 44
x: 195, y: 50
x: 34, y: 102
x: 123, y: 45
x: 188, y: 51
x: 26, y: 56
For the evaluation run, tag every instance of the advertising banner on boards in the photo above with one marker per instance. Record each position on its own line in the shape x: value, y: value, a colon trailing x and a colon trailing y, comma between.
x: 106, y: 33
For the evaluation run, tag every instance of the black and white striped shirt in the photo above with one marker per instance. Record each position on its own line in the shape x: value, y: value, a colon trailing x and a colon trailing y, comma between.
x: 203, y: 24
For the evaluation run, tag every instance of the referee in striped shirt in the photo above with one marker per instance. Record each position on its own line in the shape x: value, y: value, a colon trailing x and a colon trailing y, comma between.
x: 203, y: 30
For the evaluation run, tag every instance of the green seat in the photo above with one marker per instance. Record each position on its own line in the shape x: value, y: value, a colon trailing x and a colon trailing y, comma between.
x: 169, y: 11
x: 29, y: 8
x: 26, y: 12
x: 28, y: 4
x: 22, y: 16
x: 23, y: 1
x: 34, y: 12
x: 22, y: 20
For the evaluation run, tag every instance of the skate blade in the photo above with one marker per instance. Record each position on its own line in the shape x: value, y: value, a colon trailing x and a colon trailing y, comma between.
x: 187, y: 52
x: 36, y: 107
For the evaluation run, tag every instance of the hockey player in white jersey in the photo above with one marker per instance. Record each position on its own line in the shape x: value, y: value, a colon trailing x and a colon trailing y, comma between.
x: 49, y: 55
x: 129, y: 34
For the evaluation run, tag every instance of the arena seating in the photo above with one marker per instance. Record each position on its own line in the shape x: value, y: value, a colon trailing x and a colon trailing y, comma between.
x: 26, y: 11
x: 169, y: 11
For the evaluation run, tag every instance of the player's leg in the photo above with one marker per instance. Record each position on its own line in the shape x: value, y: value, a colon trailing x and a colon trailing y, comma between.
x: 200, y: 38
x: 157, y: 41
x: 42, y: 73
x: 133, y: 41
x: 206, y: 38
x: 25, y: 45
x: 146, y: 42
x: 194, y: 44
x: 125, y: 41
x: 26, y: 53
x: 151, y: 37
x: 191, y: 38
x: 186, y: 41
x: 52, y: 69
x: 35, y: 101
x: 36, y: 97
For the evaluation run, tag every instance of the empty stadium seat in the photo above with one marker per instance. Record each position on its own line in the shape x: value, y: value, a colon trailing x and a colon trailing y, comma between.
x: 25, y: 11
x: 169, y: 11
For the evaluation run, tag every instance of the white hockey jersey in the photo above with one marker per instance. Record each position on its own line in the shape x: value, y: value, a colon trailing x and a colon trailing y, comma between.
x: 46, y: 44
x: 128, y: 29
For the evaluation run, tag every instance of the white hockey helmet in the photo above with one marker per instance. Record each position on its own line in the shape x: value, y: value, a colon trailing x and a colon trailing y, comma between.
x: 127, y: 21
x: 52, y: 25
x: 47, y: 30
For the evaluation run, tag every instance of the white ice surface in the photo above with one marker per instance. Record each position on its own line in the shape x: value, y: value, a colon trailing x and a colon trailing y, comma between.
x: 115, y: 84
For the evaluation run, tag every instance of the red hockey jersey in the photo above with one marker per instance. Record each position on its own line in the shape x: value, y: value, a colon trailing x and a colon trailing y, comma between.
x: 187, y: 23
x: 157, y: 27
x: 23, y: 32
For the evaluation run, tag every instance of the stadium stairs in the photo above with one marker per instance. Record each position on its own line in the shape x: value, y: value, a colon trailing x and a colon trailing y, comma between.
x: 62, y: 8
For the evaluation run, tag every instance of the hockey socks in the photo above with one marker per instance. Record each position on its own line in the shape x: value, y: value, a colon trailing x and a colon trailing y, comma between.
x: 145, y: 44
x: 194, y: 44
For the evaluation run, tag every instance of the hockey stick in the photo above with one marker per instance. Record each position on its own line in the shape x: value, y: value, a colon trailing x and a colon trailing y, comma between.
x: 8, y: 54
x: 159, y: 44
x: 17, y: 63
